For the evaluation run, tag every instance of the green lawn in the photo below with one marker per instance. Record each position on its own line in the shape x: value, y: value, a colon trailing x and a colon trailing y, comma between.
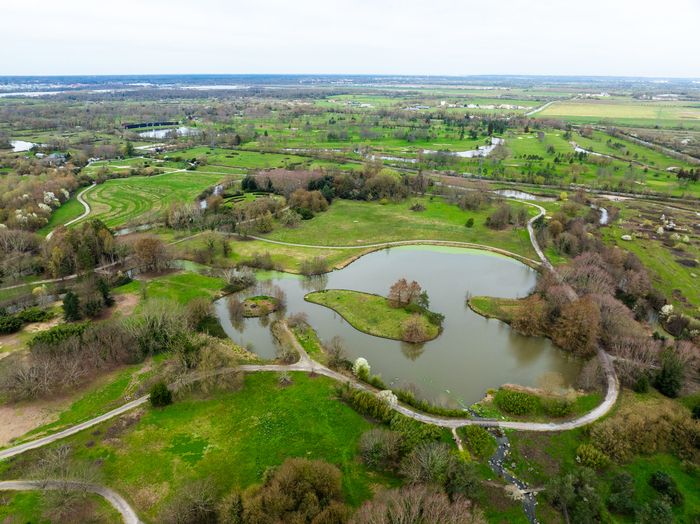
x: 119, y: 202
x: 349, y: 222
x: 232, y: 439
x: 68, y: 211
x: 181, y: 286
x: 369, y: 313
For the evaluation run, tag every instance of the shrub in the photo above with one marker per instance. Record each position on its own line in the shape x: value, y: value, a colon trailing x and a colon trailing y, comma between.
x: 299, y: 490
x: 470, y: 222
x: 666, y: 486
x: 557, y: 407
x: 34, y: 314
x: 381, y: 449
x: 57, y: 334
x: 194, y: 503
x: 160, y: 395
x: 657, y: 511
x: 576, y: 495
x: 515, y: 402
x: 479, y: 440
x: 591, y: 457
x: 669, y: 379
x: 621, y: 499
x: 10, y: 324
x: 230, y: 509
x: 641, y: 385
x: 71, y: 307
x: 361, y: 368
x: 314, y: 266
x: 417, y: 504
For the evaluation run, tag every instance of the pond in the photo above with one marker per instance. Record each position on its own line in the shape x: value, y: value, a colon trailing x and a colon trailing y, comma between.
x: 165, y: 133
x: 471, y: 355
x: 19, y: 146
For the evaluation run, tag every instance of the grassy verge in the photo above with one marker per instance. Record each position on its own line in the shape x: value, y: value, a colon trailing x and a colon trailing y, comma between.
x: 307, y: 337
x: 28, y: 506
x: 370, y: 314
x: 492, y: 307
x: 181, y: 286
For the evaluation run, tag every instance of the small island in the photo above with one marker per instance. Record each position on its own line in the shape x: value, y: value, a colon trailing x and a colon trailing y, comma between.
x: 259, y: 306
x: 379, y: 316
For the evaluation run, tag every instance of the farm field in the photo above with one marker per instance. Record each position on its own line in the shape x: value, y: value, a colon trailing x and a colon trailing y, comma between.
x: 120, y: 202
x: 627, y: 112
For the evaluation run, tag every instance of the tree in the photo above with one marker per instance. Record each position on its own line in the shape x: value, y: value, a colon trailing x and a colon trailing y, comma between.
x: 151, y: 254
x: 576, y: 495
x: 103, y: 288
x: 621, y: 499
x: 577, y: 329
x: 71, y: 307
x: 413, y: 329
x: 417, y: 505
x: 669, y: 379
x: 299, y: 490
x: 160, y: 396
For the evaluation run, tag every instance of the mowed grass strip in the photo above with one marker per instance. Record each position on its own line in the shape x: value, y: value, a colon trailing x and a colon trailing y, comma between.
x: 121, y: 201
x: 369, y: 313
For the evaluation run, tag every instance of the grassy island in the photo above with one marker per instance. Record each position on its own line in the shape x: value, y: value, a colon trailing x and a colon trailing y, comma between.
x: 493, y: 307
x: 259, y: 306
x: 373, y: 314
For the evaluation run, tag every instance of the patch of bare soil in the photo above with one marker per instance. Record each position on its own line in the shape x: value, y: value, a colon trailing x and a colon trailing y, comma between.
x: 18, y: 419
x: 124, y: 305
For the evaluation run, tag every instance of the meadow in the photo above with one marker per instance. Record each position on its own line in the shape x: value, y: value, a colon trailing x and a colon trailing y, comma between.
x: 355, y: 223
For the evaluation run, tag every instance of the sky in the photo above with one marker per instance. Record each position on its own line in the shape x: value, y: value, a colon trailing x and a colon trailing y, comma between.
x: 435, y: 37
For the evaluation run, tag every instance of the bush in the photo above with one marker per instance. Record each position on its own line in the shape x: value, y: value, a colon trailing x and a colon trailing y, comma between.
x: 641, y: 385
x: 34, y: 314
x: 314, y: 266
x: 591, y: 457
x: 515, y: 402
x: 57, y: 334
x: 557, y: 407
x: 666, y: 486
x: 669, y: 379
x: 299, y: 490
x: 479, y: 441
x: 9, y: 324
x: 160, y: 396
x: 381, y: 449
x: 656, y: 512
x: 194, y: 503
x: 621, y: 499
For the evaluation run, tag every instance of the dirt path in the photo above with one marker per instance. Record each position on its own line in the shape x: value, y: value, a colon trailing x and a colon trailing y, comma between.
x: 115, y: 499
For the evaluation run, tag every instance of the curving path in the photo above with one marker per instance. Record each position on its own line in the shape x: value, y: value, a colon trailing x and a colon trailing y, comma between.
x: 307, y: 365
x: 85, y: 213
x: 115, y: 500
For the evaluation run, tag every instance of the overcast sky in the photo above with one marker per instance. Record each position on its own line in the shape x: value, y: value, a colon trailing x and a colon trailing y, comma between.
x: 432, y: 37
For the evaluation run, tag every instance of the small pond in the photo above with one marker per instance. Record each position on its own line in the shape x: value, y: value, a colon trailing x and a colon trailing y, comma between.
x: 165, y: 133
x: 471, y: 355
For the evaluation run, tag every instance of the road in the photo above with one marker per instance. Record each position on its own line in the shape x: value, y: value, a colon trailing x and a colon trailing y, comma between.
x: 115, y: 500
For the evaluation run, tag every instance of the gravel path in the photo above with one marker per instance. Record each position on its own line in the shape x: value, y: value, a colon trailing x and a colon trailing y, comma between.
x: 115, y: 499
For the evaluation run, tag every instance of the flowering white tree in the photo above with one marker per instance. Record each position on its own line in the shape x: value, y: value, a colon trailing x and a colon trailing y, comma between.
x: 361, y: 367
x: 388, y: 397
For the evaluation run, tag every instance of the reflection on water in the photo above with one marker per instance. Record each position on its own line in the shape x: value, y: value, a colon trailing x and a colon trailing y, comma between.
x: 472, y: 353
x: 165, y: 133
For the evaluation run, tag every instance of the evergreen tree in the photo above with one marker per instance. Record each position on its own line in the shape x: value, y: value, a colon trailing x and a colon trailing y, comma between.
x: 71, y: 307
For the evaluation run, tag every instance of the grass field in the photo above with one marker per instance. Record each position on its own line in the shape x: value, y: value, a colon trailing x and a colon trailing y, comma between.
x: 232, y: 438
x: 181, y: 287
x: 627, y: 111
x: 662, y: 256
x: 139, y: 199
x: 348, y: 223
x: 369, y: 313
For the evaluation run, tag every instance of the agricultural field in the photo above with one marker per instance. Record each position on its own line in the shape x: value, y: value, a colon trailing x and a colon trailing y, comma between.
x: 627, y: 112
